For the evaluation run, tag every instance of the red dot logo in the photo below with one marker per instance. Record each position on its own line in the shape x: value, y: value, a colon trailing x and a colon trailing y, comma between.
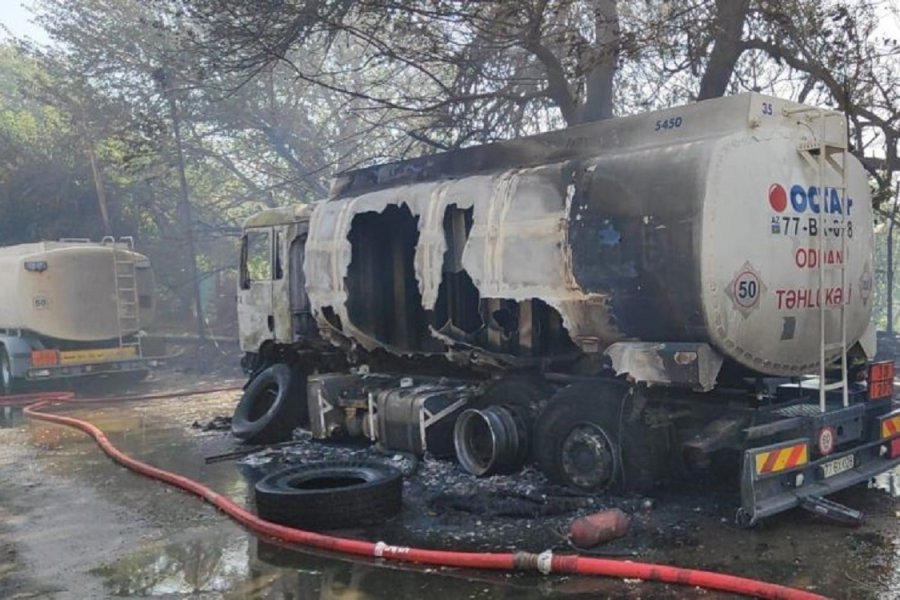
x: 777, y: 197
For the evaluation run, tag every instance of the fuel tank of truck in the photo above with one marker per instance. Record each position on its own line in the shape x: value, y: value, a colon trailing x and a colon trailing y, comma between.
x: 703, y: 224
x: 68, y: 290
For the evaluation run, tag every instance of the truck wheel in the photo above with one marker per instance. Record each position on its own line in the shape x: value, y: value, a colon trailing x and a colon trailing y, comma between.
x: 330, y: 495
x: 8, y: 383
x: 584, y: 440
x: 272, y: 405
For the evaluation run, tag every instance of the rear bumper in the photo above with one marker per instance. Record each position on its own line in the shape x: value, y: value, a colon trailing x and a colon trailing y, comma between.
x: 763, y: 496
x: 96, y: 368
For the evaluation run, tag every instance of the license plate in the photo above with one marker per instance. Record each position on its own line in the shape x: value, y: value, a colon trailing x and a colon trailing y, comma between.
x: 838, y: 465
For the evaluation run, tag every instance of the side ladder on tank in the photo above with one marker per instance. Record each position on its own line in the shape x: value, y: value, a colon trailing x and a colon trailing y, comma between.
x: 128, y: 314
x: 827, y: 155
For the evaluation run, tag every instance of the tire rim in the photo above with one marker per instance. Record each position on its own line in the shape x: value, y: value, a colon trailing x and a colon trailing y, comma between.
x: 588, y: 457
x: 490, y: 441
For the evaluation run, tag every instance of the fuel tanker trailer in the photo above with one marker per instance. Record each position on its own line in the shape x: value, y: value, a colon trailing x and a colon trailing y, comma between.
x: 624, y: 303
x: 73, y: 308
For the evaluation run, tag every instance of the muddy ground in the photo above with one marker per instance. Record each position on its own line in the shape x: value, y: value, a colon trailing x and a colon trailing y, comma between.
x: 75, y: 525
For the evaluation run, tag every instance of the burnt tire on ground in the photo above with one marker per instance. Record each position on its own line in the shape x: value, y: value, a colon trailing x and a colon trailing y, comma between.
x: 588, y: 438
x: 330, y: 495
x: 272, y: 405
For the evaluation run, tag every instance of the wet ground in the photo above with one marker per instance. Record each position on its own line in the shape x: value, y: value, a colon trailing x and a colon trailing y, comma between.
x: 75, y: 525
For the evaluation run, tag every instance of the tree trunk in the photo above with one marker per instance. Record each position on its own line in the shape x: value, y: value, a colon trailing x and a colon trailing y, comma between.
x: 97, y: 175
x: 101, y: 189
x: 184, y: 210
x: 728, y: 27
x: 598, y: 100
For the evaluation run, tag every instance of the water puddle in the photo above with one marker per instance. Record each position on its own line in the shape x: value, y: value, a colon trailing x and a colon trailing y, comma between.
x: 247, y: 567
x: 11, y: 416
x: 215, y: 564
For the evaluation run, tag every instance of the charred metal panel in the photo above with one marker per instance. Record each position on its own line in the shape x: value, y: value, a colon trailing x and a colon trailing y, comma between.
x: 633, y: 235
x: 303, y: 325
x: 718, y: 116
x: 458, y: 302
x: 691, y: 365
x: 383, y: 298
x: 512, y: 252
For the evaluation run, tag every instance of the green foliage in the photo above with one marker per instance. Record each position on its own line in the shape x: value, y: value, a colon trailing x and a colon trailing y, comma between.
x: 274, y: 97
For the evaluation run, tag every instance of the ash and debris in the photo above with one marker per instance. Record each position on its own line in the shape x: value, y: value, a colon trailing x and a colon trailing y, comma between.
x: 446, y: 507
x: 219, y: 423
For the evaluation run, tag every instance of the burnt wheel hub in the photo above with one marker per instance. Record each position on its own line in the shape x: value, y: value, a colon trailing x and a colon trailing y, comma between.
x: 588, y: 457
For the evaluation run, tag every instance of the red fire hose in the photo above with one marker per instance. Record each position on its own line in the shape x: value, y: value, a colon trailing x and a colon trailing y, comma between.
x: 545, y: 562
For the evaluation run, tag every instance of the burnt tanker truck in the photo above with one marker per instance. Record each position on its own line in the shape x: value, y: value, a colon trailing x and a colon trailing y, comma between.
x: 622, y: 303
x: 73, y: 308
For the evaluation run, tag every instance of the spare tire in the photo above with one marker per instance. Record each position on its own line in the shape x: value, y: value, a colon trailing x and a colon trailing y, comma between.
x: 272, y: 405
x: 330, y: 495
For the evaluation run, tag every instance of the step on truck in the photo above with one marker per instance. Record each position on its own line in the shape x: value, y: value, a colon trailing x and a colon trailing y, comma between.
x: 622, y: 303
x: 73, y: 308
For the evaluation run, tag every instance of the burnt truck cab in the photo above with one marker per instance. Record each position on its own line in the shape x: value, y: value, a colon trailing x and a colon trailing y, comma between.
x: 273, y: 307
x: 619, y: 302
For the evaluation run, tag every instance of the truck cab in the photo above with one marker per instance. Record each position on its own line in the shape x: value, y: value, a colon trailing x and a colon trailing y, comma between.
x: 273, y: 308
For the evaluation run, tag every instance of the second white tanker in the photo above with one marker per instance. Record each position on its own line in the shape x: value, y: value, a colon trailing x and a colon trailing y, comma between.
x: 73, y: 308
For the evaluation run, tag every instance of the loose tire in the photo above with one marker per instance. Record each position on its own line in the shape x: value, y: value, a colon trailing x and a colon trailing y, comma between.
x: 272, y: 405
x: 330, y: 495
x: 587, y: 439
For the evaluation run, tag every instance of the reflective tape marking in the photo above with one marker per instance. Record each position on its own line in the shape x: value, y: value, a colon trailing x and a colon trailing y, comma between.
x: 890, y: 426
x: 780, y: 459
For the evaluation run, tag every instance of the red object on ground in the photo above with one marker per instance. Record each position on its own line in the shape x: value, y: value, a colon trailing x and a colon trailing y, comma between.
x: 589, y: 531
x: 545, y: 562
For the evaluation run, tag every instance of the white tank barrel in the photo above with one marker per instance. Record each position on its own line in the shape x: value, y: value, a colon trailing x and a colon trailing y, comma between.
x: 698, y: 224
x: 68, y: 290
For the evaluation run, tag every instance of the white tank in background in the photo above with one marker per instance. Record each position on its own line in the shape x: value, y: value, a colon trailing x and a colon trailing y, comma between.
x: 67, y: 290
x: 73, y: 308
